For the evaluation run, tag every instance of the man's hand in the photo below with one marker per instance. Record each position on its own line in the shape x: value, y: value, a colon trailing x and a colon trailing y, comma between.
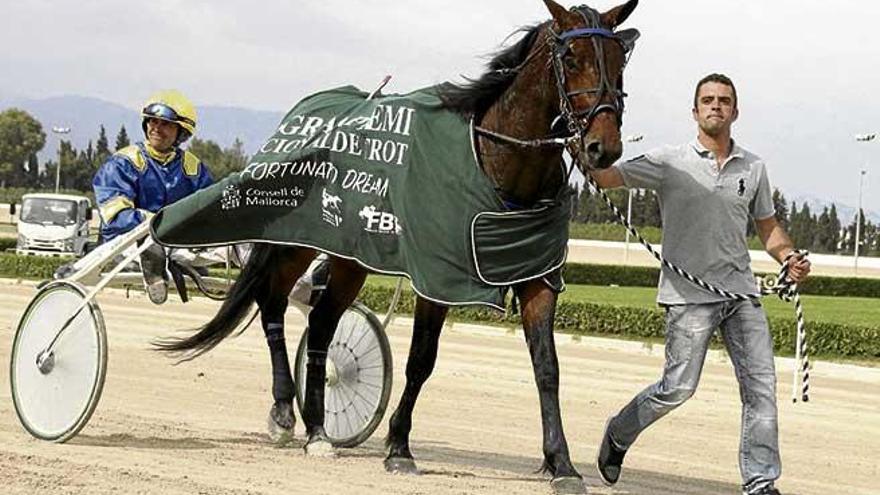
x: 798, y: 268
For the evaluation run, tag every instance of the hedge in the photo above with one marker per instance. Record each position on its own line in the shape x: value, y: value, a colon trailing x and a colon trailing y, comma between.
x: 642, y: 276
x: 30, y: 267
x: 36, y: 267
x: 7, y: 243
x: 582, y: 318
x: 575, y: 274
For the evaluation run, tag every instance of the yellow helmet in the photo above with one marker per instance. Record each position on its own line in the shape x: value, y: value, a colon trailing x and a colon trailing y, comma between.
x: 173, y: 106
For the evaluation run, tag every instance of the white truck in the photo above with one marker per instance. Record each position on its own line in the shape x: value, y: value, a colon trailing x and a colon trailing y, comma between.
x: 53, y: 224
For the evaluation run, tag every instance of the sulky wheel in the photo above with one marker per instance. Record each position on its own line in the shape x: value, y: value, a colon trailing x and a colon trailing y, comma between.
x: 55, y: 394
x: 359, y: 374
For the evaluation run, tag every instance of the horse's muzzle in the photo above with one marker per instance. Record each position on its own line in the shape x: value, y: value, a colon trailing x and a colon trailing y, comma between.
x: 593, y: 154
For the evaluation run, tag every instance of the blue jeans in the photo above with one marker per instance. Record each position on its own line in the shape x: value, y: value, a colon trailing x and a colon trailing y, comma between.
x: 689, y: 328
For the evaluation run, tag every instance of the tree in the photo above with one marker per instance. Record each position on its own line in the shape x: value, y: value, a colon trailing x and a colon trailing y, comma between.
x: 802, y: 226
x: 575, y: 200
x: 122, y: 138
x: 584, y: 202
x: 872, y: 239
x: 795, y: 227
x: 864, y: 233
x: 102, y: 148
x: 652, y: 213
x: 21, y: 136
x: 82, y: 170
x: 219, y: 161
x: 781, y: 208
x: 32, y: 172
x: 834, y: 230
x: 823, y: 241
x: 67, y: 155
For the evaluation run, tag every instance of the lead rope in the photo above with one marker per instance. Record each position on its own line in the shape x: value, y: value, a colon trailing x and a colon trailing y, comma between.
x: 783, y: 287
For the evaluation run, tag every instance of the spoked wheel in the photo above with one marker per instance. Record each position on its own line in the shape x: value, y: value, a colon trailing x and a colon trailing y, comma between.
x: 55, y: 394
x: 359, y: 374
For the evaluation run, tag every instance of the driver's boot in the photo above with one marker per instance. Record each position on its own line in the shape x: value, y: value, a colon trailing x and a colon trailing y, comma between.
x: 153, y: 263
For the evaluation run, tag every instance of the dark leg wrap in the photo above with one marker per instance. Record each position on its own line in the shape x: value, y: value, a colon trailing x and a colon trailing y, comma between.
x: 282, y: 381
x: 316, y: 371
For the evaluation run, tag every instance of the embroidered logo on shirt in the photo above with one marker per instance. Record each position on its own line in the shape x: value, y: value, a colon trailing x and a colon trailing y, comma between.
x: 742, y: 187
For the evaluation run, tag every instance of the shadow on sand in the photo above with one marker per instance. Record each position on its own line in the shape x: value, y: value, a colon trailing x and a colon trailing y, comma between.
x: 487, y: 466
x: 474, y: 464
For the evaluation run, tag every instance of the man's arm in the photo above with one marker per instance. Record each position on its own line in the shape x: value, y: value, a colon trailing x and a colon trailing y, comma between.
x: 607, y: 178
x: 778, y: 245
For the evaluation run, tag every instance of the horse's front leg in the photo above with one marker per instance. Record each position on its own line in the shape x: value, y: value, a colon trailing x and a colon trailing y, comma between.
x: 538, y: 308
x: 272, y: 301
x: 346, y: 280
x: 427, y: 324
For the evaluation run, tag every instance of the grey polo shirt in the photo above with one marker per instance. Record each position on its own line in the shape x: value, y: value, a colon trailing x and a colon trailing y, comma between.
x: 705, y: 213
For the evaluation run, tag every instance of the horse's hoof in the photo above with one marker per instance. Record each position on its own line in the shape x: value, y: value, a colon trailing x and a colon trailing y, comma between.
x: 568, y: 485
x: 401, y: 465
x: 319, y: 448
x: 280, y: 424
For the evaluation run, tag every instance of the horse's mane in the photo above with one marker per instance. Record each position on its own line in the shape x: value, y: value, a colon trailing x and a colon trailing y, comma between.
x: 475, y: 96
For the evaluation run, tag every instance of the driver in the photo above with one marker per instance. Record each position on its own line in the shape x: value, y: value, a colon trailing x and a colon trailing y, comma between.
x: 138, y: 180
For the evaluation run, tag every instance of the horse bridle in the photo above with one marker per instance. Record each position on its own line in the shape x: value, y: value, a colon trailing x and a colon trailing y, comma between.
x: 577, y: 122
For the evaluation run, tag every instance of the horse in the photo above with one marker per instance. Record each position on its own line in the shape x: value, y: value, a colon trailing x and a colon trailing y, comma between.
x: 560, y: 87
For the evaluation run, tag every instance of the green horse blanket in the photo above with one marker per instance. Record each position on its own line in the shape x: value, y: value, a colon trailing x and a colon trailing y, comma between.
x: 392, y: 182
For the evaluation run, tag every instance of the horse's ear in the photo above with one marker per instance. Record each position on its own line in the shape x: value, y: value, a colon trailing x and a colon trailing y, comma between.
x: 559, y: 13
x: 617, y: 15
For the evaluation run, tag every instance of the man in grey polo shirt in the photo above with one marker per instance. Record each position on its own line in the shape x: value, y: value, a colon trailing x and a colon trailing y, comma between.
x: 708, y: 190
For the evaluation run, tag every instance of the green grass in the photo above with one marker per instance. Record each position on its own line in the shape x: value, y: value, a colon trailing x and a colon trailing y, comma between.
x: 843, y: 310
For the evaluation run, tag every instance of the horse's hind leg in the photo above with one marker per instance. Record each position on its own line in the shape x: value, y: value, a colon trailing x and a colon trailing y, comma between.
x: 538, y: 308
x: 346, y: 280
x: 272, y: 300
x: 428, y: 323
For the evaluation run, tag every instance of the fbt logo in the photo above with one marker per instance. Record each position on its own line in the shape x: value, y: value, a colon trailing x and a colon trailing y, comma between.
x: 380, y: 222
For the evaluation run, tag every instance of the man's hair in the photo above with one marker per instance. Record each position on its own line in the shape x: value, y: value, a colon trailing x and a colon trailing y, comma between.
x: 717, y: 78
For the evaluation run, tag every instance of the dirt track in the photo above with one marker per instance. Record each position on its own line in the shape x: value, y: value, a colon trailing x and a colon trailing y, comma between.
x: 199, y: 427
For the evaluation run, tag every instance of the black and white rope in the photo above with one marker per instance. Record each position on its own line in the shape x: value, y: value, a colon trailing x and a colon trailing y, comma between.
x: 783, y: 287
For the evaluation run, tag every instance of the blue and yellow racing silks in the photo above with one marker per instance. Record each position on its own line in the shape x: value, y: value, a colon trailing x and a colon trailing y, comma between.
x: 139, y: 178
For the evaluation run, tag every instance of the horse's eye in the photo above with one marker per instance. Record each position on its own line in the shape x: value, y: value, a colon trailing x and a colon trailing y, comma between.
x: 571, y: 62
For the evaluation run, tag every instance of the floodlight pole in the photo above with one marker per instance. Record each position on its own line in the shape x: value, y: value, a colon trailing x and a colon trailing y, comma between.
x: 864, y: 138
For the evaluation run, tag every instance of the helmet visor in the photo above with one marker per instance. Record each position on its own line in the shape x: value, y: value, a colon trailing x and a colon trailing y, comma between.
x: 164, y: 112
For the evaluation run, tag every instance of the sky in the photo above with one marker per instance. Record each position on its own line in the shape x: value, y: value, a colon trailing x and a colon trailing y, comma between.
x: 806, y: 71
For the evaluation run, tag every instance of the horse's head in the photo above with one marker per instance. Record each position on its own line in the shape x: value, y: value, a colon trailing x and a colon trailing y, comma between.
x: 588, y: 59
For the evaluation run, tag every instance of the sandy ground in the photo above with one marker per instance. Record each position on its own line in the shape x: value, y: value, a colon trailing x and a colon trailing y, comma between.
x: 199, y: 427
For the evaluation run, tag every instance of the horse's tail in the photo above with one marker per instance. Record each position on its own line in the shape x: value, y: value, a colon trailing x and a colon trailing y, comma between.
x: 232, y: 313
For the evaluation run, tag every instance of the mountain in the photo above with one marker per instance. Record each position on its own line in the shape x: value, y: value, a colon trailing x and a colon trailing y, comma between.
x: 84, y: 116
x: 845, y: 213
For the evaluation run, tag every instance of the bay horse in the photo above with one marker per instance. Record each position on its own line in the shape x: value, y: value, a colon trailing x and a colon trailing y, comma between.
x: 560, y: 86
